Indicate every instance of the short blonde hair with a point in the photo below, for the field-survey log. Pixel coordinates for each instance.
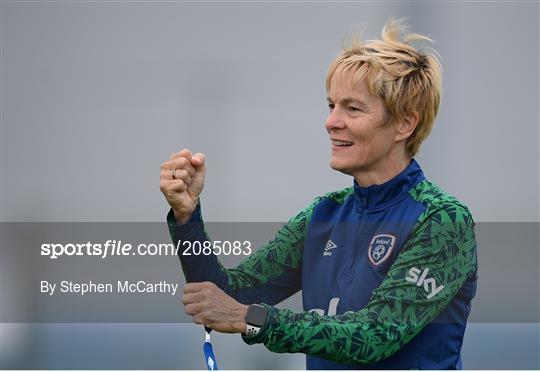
(405, 78)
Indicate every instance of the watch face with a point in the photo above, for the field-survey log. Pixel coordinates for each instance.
(256, 315)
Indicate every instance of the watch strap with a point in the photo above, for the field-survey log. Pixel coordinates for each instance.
(252, 330)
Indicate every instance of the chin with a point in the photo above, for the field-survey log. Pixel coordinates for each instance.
(341, 166)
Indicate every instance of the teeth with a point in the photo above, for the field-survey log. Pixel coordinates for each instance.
(342, 143)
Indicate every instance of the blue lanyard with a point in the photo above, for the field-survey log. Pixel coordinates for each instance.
(209, 357)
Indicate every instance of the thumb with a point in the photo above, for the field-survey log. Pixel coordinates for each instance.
(199, 161)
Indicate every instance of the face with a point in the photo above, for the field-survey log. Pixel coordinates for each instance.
(361, 141)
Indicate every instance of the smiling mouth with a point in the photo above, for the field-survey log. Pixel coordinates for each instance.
(341, 143)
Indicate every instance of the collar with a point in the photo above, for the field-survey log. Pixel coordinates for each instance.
(379, 196)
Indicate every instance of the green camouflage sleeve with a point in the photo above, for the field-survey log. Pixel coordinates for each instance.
(271, 274)
(441, 251)
(275, 259)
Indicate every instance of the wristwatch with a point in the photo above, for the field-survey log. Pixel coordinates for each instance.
(255, 319)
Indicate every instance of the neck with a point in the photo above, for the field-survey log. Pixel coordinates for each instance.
(382, 173)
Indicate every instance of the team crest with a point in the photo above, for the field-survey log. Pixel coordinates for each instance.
(380, 248)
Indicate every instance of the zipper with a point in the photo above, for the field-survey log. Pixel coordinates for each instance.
(359, 232)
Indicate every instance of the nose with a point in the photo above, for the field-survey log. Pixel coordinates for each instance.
(334, 121)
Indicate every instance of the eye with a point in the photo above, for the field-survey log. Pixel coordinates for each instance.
(354, 109)
(330, 106)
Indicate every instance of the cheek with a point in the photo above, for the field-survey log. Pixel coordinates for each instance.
(384, 139)
(370, 145)
(363, 142)
(363, 150)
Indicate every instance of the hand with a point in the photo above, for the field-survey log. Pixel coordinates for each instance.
(182, 193)
(209, 305)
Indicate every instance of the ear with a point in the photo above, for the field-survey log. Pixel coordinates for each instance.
(406, 126)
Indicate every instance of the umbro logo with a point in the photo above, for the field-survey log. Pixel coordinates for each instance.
(210, 363)
(328, 248)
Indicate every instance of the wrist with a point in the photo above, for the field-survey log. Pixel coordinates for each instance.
(240, 325)
(182, 217)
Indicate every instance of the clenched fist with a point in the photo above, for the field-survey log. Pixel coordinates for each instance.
(182, 181)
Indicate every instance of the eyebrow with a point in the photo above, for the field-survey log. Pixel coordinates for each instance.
(347, 100)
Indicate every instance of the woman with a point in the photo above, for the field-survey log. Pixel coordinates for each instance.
(387, 267)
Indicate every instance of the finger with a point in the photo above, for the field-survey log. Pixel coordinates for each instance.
(182, 153)
(182, 174)
(193, 309)
(195, 287)
(178, 185)
(182, 163)
(165, 174)
(179, 174)
(198, 319)
(192, 298)
(173, 185)
(206, 318)
(198, 160)
(178, 163)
